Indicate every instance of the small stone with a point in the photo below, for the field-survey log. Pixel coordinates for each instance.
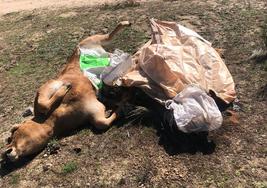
(105, 30)
(50, 30)
(77, 150)
(78, 184)
(45, 168)
(92, 32)
(27, 112)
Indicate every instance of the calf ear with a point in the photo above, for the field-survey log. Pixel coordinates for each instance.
(14, 128)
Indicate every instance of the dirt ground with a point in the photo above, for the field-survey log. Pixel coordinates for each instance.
(8, 6)
(34, 45)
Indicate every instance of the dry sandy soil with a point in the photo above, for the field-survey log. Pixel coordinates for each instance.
(34, 45)
(8, 6)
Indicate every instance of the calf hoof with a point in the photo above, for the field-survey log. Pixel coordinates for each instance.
(68, 86)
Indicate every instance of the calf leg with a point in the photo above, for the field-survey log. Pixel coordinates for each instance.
(97, 114)
(100, 39)
(50, 94)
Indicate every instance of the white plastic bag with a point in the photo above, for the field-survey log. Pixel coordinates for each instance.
(120, 62)
(194, 111)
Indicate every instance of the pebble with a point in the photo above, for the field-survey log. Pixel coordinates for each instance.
(92, 32)
(47, 166)
(27, 112)
(105, 30)
(77, 150)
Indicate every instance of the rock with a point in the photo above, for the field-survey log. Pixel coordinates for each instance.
(53, 147)
(92, 32)
(45, 168)
(27, 112)
(78, 184)
(105, 30)
(77, 150)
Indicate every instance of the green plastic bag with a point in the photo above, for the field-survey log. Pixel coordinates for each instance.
(92, 63)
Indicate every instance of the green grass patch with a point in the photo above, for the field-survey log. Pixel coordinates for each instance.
(260, 184)
(2, 144)
(128, 40)
(21, 69)
(85, 132)
(69, 167)
(15, 178)
(264, 33)
(53, 141)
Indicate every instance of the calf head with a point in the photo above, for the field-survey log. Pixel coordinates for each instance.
(26, 138)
